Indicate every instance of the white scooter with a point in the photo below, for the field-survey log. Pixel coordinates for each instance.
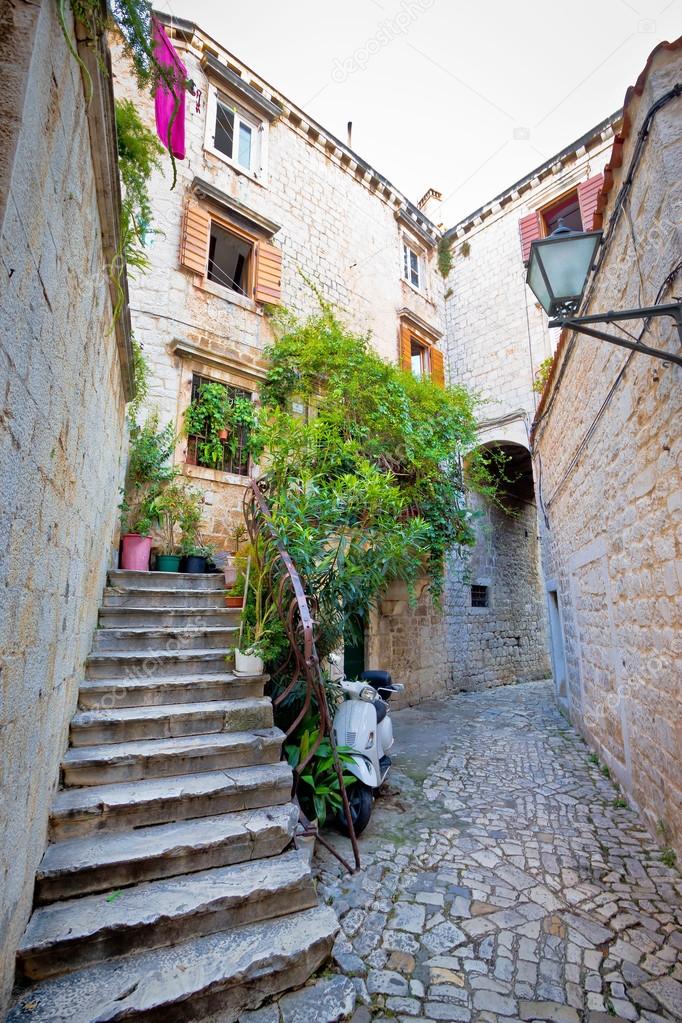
(363, 724)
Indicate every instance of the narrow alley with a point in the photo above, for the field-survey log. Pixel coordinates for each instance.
(504, 877)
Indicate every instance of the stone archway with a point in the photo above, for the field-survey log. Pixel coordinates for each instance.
(495, 600)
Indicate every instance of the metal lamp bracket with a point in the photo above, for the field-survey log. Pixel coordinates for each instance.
(580, 324)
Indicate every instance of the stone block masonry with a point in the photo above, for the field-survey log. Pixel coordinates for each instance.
(608, 440)
(62, 433)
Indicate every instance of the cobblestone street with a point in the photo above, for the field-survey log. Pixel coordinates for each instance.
(505, 878)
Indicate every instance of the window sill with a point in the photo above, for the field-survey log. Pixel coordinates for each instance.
(258, 179)
(230, 296)
(417, 291)
(200, 472)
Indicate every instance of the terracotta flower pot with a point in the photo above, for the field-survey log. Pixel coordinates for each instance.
(222, 434)
(135, 551)
(231, 601)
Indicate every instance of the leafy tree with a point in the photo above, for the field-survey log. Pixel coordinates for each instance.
(368, 485)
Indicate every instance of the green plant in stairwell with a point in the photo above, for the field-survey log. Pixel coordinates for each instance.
(593, 758)
(149, 470)
(620, 803)
(178, 509)
(542, 374)
(140, 383)
(464, 249)
(605, 771)
(318, 791)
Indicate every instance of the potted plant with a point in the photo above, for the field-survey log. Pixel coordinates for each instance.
(234, 597)
(177, 508)
(218, 417)
(260, 632)
(147, 473)
(195, 556)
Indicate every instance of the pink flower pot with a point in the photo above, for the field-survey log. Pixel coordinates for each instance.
(135, 551)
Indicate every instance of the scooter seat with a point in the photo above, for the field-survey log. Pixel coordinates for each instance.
(377, 678)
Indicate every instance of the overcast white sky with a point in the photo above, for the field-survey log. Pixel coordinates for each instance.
(462, 98)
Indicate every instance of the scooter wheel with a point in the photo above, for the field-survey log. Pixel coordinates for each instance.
(361, 800)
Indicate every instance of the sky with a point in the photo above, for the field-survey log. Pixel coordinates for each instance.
(463, 98)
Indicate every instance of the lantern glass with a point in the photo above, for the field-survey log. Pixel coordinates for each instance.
(559, 267)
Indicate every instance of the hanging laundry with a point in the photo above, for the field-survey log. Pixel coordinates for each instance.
(169, 101)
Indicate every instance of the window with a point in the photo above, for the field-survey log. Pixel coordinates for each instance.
(234, 134)
(411, 266)
(479, 596)
(420, 361)
(235, 456)
(567, 209)
(229, 259)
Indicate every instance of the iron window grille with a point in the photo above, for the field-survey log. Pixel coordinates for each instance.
(479, 596)
(237, 463)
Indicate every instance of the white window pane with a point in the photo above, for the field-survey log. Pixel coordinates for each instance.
(414, 268)
(245, 141)
(224, 129)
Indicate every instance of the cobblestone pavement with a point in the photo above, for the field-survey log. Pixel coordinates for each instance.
(504, 878)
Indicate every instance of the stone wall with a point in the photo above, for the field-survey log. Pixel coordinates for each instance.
(61, 429)
(608, 442)
(496, 339)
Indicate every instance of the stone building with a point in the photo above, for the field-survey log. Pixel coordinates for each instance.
(240, 231)
(606, 450)
(65, 376)
(496, 341)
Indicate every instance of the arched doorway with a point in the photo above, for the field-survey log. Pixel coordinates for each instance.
(496, 603)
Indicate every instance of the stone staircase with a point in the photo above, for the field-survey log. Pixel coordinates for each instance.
(170, 889)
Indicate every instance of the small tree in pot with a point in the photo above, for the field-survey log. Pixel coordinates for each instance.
(149, 471)
(178, 510)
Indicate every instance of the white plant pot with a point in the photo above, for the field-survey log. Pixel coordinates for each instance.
(248, 664)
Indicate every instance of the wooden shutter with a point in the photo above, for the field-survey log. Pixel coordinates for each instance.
(530, 231)
(268, 274)
(437, 367)
(588, 194)
(196, 223)
(405, 348)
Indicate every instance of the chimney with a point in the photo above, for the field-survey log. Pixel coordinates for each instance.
(429, 204)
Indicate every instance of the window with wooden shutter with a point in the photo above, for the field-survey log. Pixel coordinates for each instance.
(405, 348)
(268, 274)
(588, 194)
(194, 239)
(437, 367)
(530, 230)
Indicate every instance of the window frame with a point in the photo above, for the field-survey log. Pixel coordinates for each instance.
(410, 250)
(424, 356)
(256, 171)
(192, 439)
(486, 595)
(557, 203)
(222, 289)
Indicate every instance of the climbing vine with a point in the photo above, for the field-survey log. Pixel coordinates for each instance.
(138, 154)
(444, 257)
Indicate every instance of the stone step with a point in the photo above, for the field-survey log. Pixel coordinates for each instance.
(108, 693)
(212, 637)
(167, 617)
(68, 935)
(225, 973)
(101, 861)
(162, 758)
(150, 597)
(123, 579)
(125, 724)
(155, 663)
(126, 805)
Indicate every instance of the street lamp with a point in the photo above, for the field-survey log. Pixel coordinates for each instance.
(558, 269)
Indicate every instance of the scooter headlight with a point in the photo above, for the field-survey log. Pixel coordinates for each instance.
(368, 694)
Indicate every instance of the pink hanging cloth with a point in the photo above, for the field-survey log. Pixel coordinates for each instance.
(169, 101)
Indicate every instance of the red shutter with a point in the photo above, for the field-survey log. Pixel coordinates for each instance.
(530, 231)
(588, 193)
